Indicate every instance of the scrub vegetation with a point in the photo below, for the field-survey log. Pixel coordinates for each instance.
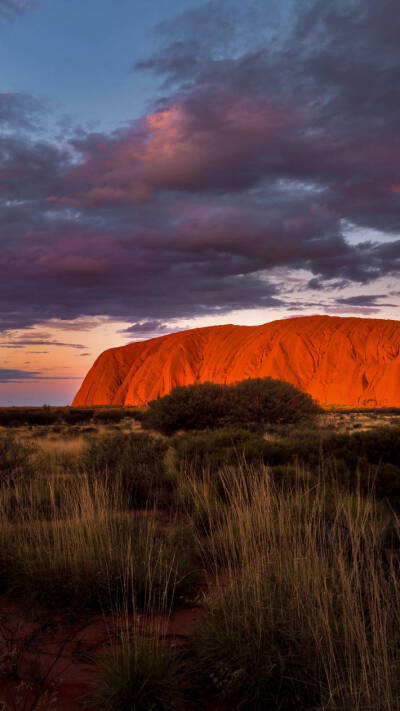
(252, 403)
(229, 567)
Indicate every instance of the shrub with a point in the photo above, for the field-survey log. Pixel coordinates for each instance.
(109, 415)
(370, 460)
(19, 416)
(139, 676)
(373, 455)
(377, 446)
(76, 416)
(12, 417)
(262, 401)
(191, 407)
(199, 451)
(43, 416)
(135, 460)
(135, 413)
(251, 404)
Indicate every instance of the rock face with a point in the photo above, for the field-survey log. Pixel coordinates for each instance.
(341, 361)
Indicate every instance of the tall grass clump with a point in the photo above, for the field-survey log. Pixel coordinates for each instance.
(16, 459)
(95, 557)
(141, 674)
(201, 451)
(306, 611)
(136, 461)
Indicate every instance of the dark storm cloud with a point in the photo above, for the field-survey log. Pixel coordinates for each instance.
(277, 123)
(333, 68)
(28, 170)
(361, 300)
(342, 56)
(203, 259)
(367, 300)
(19, 110)
(145, 328)
(13, 375)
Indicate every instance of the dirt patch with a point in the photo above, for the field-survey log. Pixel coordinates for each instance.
(47, 660)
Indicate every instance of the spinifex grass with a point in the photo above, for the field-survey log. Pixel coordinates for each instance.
(307, 608)
(143, 674)
(140, 670)
(94, 556)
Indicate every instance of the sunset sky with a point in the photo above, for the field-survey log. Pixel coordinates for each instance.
(167, 164)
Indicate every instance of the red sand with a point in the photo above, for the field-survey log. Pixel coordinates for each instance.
(58, 657)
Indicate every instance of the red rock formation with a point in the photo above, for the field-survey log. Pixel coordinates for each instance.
(343, 361)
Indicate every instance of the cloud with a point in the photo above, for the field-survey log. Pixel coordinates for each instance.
(365, 303)
(10, 8)
(21, 111)
(332, 69)
(228, 147)
(39, 342)
(204, 256)
(14, 375)
(147, 328)
(268, 136)
(22, 342)
(362, 300)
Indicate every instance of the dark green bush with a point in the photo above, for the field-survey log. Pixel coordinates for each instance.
(43, 416)
(46, 415)
(262, 401)
(109, 415)
(191, 407)
(76, 416)
(373, 455)
(21, 416)
(135, 413)
(369, 459)
(12, 417)
(136, 461)
(251, 404)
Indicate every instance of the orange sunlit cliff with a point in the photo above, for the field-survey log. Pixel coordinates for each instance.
(343, 361)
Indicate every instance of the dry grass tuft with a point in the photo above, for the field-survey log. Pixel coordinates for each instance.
(307, 608)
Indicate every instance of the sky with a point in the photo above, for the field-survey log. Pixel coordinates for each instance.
(168, 165)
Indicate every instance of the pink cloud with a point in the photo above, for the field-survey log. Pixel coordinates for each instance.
(188, 146)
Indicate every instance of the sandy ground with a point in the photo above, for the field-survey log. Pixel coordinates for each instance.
(60, 655)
